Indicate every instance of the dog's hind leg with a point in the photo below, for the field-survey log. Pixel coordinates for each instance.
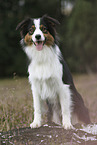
(49, 113)
(54, 111)
(56, 118)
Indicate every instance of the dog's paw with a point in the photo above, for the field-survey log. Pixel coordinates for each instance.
(67, 126)
(35, 124)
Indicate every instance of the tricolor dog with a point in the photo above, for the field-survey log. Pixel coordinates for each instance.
(49, 76)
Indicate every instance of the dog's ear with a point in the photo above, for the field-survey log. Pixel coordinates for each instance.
(50, 20)
(24, 26)
(51, 24)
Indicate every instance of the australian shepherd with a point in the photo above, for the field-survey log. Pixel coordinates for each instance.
(49, 76)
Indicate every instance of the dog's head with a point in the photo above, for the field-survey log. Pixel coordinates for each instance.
(38, 32)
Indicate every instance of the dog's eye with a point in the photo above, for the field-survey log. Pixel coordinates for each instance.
(31, 30)
(43, 29)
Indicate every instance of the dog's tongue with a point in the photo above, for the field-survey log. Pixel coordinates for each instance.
(39, 45)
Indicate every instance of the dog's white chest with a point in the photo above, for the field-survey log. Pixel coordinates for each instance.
(40, 71)
(45, 65)
(46, 78)
(45, 72)
(47, 88)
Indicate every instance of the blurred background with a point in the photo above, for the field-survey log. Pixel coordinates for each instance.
(77, 32)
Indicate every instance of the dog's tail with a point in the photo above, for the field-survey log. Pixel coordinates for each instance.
(79, 108)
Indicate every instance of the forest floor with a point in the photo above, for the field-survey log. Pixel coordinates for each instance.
(16, 113)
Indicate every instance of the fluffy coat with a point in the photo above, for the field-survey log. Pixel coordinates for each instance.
(49, 76)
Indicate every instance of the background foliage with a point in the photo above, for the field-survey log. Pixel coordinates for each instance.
(77, 32)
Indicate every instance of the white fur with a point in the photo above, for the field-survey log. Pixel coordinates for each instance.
(37, 31)
(45, 76)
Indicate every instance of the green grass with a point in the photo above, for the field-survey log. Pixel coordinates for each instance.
(15, 104)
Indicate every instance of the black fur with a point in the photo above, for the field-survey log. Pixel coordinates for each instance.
(78, 103)
(50, 24)
(24, 26)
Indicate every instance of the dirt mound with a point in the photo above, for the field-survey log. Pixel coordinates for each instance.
(50, 135)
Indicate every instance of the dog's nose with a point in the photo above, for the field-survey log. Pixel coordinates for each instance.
(38, 36)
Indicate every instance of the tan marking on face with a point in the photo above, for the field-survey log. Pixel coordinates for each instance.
(47, 35)
(28, 39)
(49, 39)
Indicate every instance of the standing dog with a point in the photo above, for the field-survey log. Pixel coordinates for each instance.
(49, 76)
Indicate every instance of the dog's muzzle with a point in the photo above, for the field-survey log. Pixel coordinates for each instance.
(39, 43)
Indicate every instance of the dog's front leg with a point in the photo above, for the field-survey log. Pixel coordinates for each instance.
(37, 110)
(65, 102)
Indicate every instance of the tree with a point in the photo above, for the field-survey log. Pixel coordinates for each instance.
(80, 37)
(12, 58)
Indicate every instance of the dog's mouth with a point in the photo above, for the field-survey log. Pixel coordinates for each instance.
(39, 45)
